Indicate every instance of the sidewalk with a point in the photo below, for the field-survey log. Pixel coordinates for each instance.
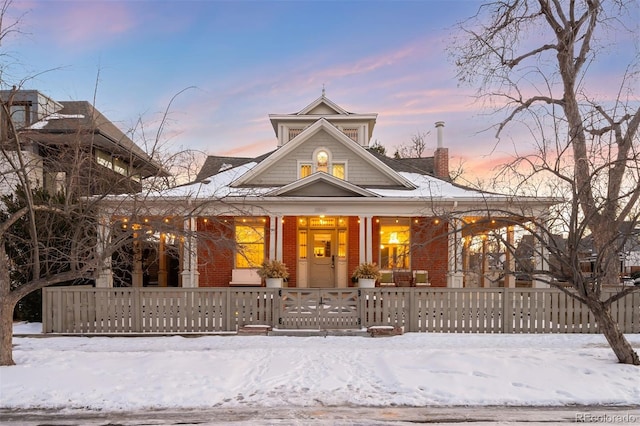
(320, 415)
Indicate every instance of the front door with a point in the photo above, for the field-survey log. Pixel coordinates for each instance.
(323, 259)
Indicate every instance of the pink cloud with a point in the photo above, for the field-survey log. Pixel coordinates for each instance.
(251, 149)
(82, 24)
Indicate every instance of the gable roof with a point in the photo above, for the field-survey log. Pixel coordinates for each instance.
(321, 184)
(324, 107)
(323, 124)
(315, 107)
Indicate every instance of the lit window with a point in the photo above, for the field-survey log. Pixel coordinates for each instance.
(305, 170)
(342, 243)
(322, 161)
(338, 170)
(394, 244)
(302, 244)
(249, 243)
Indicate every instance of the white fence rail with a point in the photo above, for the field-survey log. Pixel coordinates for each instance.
(86, 310)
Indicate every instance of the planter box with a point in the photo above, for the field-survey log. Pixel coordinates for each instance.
(274, 282)
(366, 282)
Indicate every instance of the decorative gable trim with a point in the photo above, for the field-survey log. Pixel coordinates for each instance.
(322, 100)
(323, 124)
(322, 178)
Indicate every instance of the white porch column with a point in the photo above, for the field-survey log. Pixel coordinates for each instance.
(369, 243)
(104, 276)
(190, 275)
(279, 220)
(272, 236)
(361, 235)
(455, 275)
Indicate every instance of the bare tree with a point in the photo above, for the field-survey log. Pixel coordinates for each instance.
(534, 59)
(415, 148)
(52, 227)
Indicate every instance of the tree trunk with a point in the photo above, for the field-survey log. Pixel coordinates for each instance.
(7, 306)
(609, 328)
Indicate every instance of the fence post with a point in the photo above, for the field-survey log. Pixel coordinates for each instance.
(412, 312)
(228, 310)
(136, 309)
(46, 310)
(507, 311)
(363, 308)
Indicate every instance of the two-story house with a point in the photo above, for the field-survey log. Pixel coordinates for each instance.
(68, 145)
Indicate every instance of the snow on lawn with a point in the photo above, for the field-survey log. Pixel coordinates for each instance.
(127, 373)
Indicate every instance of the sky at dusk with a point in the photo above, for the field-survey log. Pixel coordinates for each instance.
(231, 63)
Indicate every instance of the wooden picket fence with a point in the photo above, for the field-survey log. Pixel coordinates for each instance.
(88, 310)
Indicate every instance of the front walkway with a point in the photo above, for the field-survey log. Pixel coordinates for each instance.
(321, 415)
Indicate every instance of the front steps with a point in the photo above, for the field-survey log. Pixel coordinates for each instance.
(373, 331)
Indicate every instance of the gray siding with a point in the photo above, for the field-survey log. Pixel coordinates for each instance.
(285, 170)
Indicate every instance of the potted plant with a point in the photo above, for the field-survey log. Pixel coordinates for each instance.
(366, 274)
(274, 272)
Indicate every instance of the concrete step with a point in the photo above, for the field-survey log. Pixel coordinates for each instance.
(322, 333)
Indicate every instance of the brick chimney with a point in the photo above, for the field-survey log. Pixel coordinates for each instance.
(441, 156)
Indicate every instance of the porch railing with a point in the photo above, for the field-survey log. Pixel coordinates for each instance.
(214, 310)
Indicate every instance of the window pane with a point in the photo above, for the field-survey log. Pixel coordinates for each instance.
(338, 170)
(302, 244)
(394, 244)
(249, 244)
(342, 243)
(305, 170)
(322, 161)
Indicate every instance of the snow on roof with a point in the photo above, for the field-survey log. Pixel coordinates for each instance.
(39, 125)
(217, 186)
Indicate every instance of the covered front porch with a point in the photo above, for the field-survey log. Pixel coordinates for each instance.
(320, 250)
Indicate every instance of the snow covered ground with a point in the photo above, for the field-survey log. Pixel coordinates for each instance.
(134, 373)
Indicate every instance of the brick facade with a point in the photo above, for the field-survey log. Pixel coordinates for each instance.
(290, 248)
(215, 251)
(429, 251)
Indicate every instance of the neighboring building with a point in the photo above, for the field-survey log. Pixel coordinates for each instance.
(628, 245)
(69, 144)
(321, 202)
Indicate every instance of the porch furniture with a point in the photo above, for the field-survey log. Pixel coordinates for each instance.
(421, 278)
(245, 277)
(386, 279)
(403, 278)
